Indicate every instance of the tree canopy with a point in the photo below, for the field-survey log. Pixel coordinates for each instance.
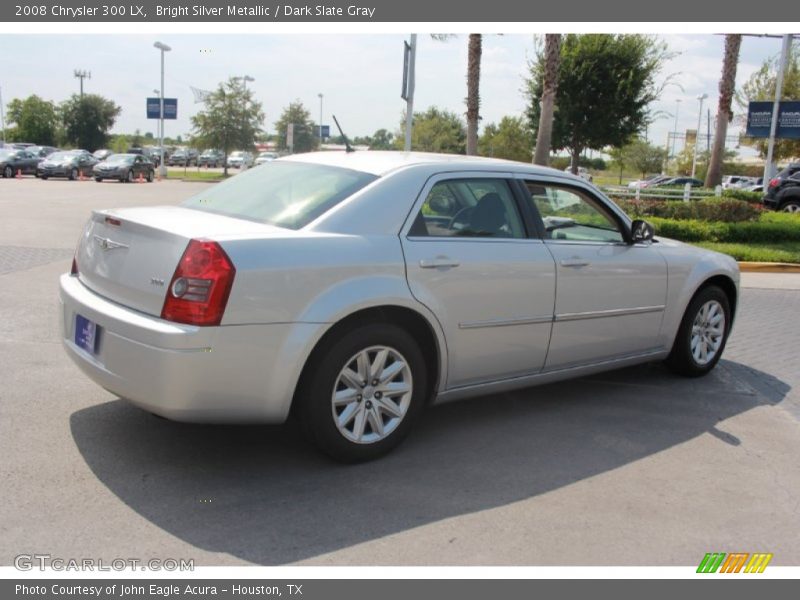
(605, 86)
(305, 138)
(230, 118)
(435, 130)
(510, 139)
(35, 120)
(88, 119)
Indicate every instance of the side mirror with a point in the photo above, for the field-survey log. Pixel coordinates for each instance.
(641, 231)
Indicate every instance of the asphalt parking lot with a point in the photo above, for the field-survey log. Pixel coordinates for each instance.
(633, 467)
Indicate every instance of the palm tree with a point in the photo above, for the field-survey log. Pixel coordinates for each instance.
(473, 90)
(727, 86)
(552, 53)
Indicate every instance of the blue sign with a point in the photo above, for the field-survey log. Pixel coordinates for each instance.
(759, 120)
(326, 131)
(170, 108)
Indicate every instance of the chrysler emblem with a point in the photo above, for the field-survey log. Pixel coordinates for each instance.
(108, 243)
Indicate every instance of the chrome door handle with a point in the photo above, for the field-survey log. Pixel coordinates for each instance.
(439, 261)
(574, 262)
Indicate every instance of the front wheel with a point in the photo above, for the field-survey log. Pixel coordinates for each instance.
(98, 179)
(73, 174)
(129, 178)
(150, 177)
(702, 334)
(361, 394)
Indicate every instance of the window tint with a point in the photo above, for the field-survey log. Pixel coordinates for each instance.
(482, 208)
(571, 216)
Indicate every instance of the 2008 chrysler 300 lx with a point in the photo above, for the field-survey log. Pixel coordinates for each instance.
(354, 288)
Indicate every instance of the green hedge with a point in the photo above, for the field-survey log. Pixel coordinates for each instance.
(766, 230)
(715, 209)
(750, 197)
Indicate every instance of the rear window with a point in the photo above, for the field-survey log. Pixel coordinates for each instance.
(285, 194)
(788, 171)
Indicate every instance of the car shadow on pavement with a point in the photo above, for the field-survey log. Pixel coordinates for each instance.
(261, 494)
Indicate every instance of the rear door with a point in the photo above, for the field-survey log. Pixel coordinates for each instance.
(471, 261)
(610, 294)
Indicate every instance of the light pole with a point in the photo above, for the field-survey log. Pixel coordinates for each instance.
(3, 118)
(320, 119)
(701, 97)
(80, 74)
(157, 93)
(162, 169)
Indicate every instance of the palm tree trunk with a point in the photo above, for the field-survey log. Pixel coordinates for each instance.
(473, 91)
(552, 53)
(727, 85)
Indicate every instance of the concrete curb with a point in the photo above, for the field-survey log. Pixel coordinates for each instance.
(768, 267)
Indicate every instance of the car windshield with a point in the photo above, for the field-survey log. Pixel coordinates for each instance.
(286, 194)
(236, 154)
(60, 156)
(7, 153)
(120, 159)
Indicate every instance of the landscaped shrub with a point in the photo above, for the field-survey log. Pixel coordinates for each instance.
(716, 209)
(691, 230)
(750, 197)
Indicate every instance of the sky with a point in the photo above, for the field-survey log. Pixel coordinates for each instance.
(359, 75)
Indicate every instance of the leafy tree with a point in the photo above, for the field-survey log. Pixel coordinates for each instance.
(510, 139)
(761, 86)
(435, 130)
(305, 138)
(381, 140)
(605, 84)
(544, 132)
(727, 84)
(230, 119)
(642, 157)
(36, 120)
(88, 119)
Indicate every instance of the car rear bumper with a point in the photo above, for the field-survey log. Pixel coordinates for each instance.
(226, 374)
(770, 202)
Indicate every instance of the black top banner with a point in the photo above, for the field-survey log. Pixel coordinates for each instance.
(442, 11)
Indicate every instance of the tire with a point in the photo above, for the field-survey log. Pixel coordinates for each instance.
(150, 177)
(791, 206)
(324, 377)
(129, 177)
(98, 179)
(698, 332)
(8, 172)
(73, 174)
(44, 177)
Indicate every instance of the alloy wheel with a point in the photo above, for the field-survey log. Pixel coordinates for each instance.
(708, 332)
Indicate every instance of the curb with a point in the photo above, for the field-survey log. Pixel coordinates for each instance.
(768, 267)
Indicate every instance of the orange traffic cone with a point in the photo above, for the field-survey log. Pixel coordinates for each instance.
(19, 173)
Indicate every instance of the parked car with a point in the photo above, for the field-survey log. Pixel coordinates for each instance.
(154, 154)
(736, 182)
(22, 145)
(239, 159)
(783, 191)
(184, 157)
(353, 288)
(124, 167)
(757, 185)
(643, 183)
(211, 158)
(42, 151)
(13, 161)
(264, 157)
(680, 181)
(583, 173)
(71, 164)
(102, 154)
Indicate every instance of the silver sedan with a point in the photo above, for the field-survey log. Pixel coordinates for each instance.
(352, 289)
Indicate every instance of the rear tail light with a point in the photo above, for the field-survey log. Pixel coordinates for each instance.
(774, 182)
(200, 287)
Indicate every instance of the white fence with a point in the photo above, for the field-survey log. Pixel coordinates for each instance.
(686, 194)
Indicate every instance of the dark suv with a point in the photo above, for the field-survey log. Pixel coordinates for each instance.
(783, 191)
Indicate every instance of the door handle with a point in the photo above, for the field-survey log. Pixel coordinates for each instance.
(439, 261)
(574, 262)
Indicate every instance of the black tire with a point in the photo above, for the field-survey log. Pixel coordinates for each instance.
(681, 360)
(44, 177)
(791, 206)
(129, 177)
(98, 179)
(314, 394)
(150, 176)
(73, 174)
(8, 172)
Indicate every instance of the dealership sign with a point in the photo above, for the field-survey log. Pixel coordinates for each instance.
(759, 119)
(170, 108)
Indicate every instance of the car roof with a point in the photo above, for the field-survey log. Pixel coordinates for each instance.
(378, 162)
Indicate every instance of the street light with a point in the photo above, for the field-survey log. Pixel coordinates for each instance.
(162, 169)
(701, 97)
(320, 119)
(158, 93)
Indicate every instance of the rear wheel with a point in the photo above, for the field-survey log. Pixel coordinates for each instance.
(703, 333)
(8, 172)
(73, 174)
(792, 206)
(98, 179)
(129, 178)
(150, 176)
(362, 392)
